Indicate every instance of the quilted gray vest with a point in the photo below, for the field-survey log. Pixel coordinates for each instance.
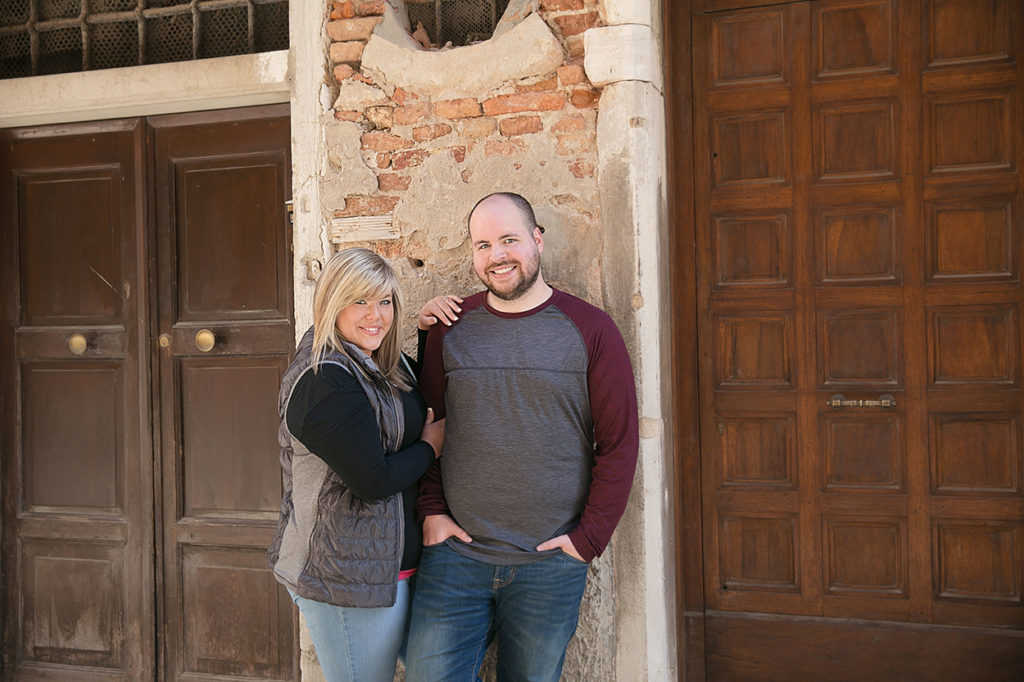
(331, 546)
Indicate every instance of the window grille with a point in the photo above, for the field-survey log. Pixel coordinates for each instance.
(39, 37)
(459, 22)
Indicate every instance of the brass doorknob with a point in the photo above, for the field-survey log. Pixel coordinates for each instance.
(205, 340)
(77, 344)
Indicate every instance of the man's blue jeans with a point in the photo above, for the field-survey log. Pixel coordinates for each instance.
(462, 604)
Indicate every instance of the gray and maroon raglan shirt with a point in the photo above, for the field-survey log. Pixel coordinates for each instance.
(541, 436)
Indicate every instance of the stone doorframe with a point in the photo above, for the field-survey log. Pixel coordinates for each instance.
(623, 58)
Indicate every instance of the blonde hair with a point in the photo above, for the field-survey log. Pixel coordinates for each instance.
(349, 276)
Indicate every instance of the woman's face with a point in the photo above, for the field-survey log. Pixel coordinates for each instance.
(366, 322)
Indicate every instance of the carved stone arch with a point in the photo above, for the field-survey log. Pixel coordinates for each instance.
(396, 60)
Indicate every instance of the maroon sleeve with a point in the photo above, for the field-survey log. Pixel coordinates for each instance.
(432, 384)
(616, 427)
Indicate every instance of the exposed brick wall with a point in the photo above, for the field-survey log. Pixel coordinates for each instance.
(553, 112)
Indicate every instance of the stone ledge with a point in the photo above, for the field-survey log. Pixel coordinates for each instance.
(362, 229)
(224, 82)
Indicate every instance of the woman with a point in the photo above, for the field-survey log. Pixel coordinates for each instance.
(355, 437)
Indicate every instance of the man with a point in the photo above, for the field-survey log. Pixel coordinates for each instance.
(540, 449)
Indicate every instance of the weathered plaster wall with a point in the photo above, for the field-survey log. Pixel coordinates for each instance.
(408, 140)
(419, 136)
(410, 150)
(623, 57)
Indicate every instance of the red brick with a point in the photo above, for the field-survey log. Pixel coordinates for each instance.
(560, 5)
(391, 249)
(575, 45)
(402, 96)
(348, 115)
(572, 74)
(431, 132)
(584, 99)
(569, 124)
(384, 142)
(350, 51)
(503, 147)
(343, 71)
(383, 159)
(408, 159)
(581, 168)
(352, 29)
(362, 78)
(546, 85)
(411, 113)
(457, 108)
(393, 182)
(526, 101)
(520, 125)
(343, 10)
(366, 8)
(360, 204)
(458, 153)
(479, 127)
(574, 24)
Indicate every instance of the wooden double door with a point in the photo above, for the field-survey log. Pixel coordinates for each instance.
(146, 324)
(857, 211)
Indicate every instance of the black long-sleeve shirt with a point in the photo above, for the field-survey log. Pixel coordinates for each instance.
(330, 414)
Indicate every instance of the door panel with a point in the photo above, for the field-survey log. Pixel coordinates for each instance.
(224, 264)
(217, 265)
(858, 227)
(78, 521)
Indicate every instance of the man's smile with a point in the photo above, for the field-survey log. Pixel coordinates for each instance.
(503, 269)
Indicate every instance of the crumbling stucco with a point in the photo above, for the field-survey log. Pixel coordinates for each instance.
(345, 159)
(437, 136)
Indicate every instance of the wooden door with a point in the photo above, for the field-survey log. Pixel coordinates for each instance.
(858, 223)
(223, 269)
(140, 474)
(76, 447)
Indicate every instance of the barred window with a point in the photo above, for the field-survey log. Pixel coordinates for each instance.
(39, 37)
(459, 22)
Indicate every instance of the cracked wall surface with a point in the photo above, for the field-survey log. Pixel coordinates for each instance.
(412, 137)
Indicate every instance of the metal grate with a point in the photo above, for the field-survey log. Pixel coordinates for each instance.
(458, 22)
(40, 37)
(60, 51)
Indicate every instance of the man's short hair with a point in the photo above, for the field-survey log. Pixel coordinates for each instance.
(521, 204)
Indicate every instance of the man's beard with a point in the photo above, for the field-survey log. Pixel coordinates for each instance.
(526, 281)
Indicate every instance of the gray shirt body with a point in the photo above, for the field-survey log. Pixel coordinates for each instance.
(518, 447)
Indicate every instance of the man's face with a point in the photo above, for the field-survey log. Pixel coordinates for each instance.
(506, 250)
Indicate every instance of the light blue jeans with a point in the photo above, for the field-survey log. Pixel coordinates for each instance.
(355, 644)
(462, 604)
